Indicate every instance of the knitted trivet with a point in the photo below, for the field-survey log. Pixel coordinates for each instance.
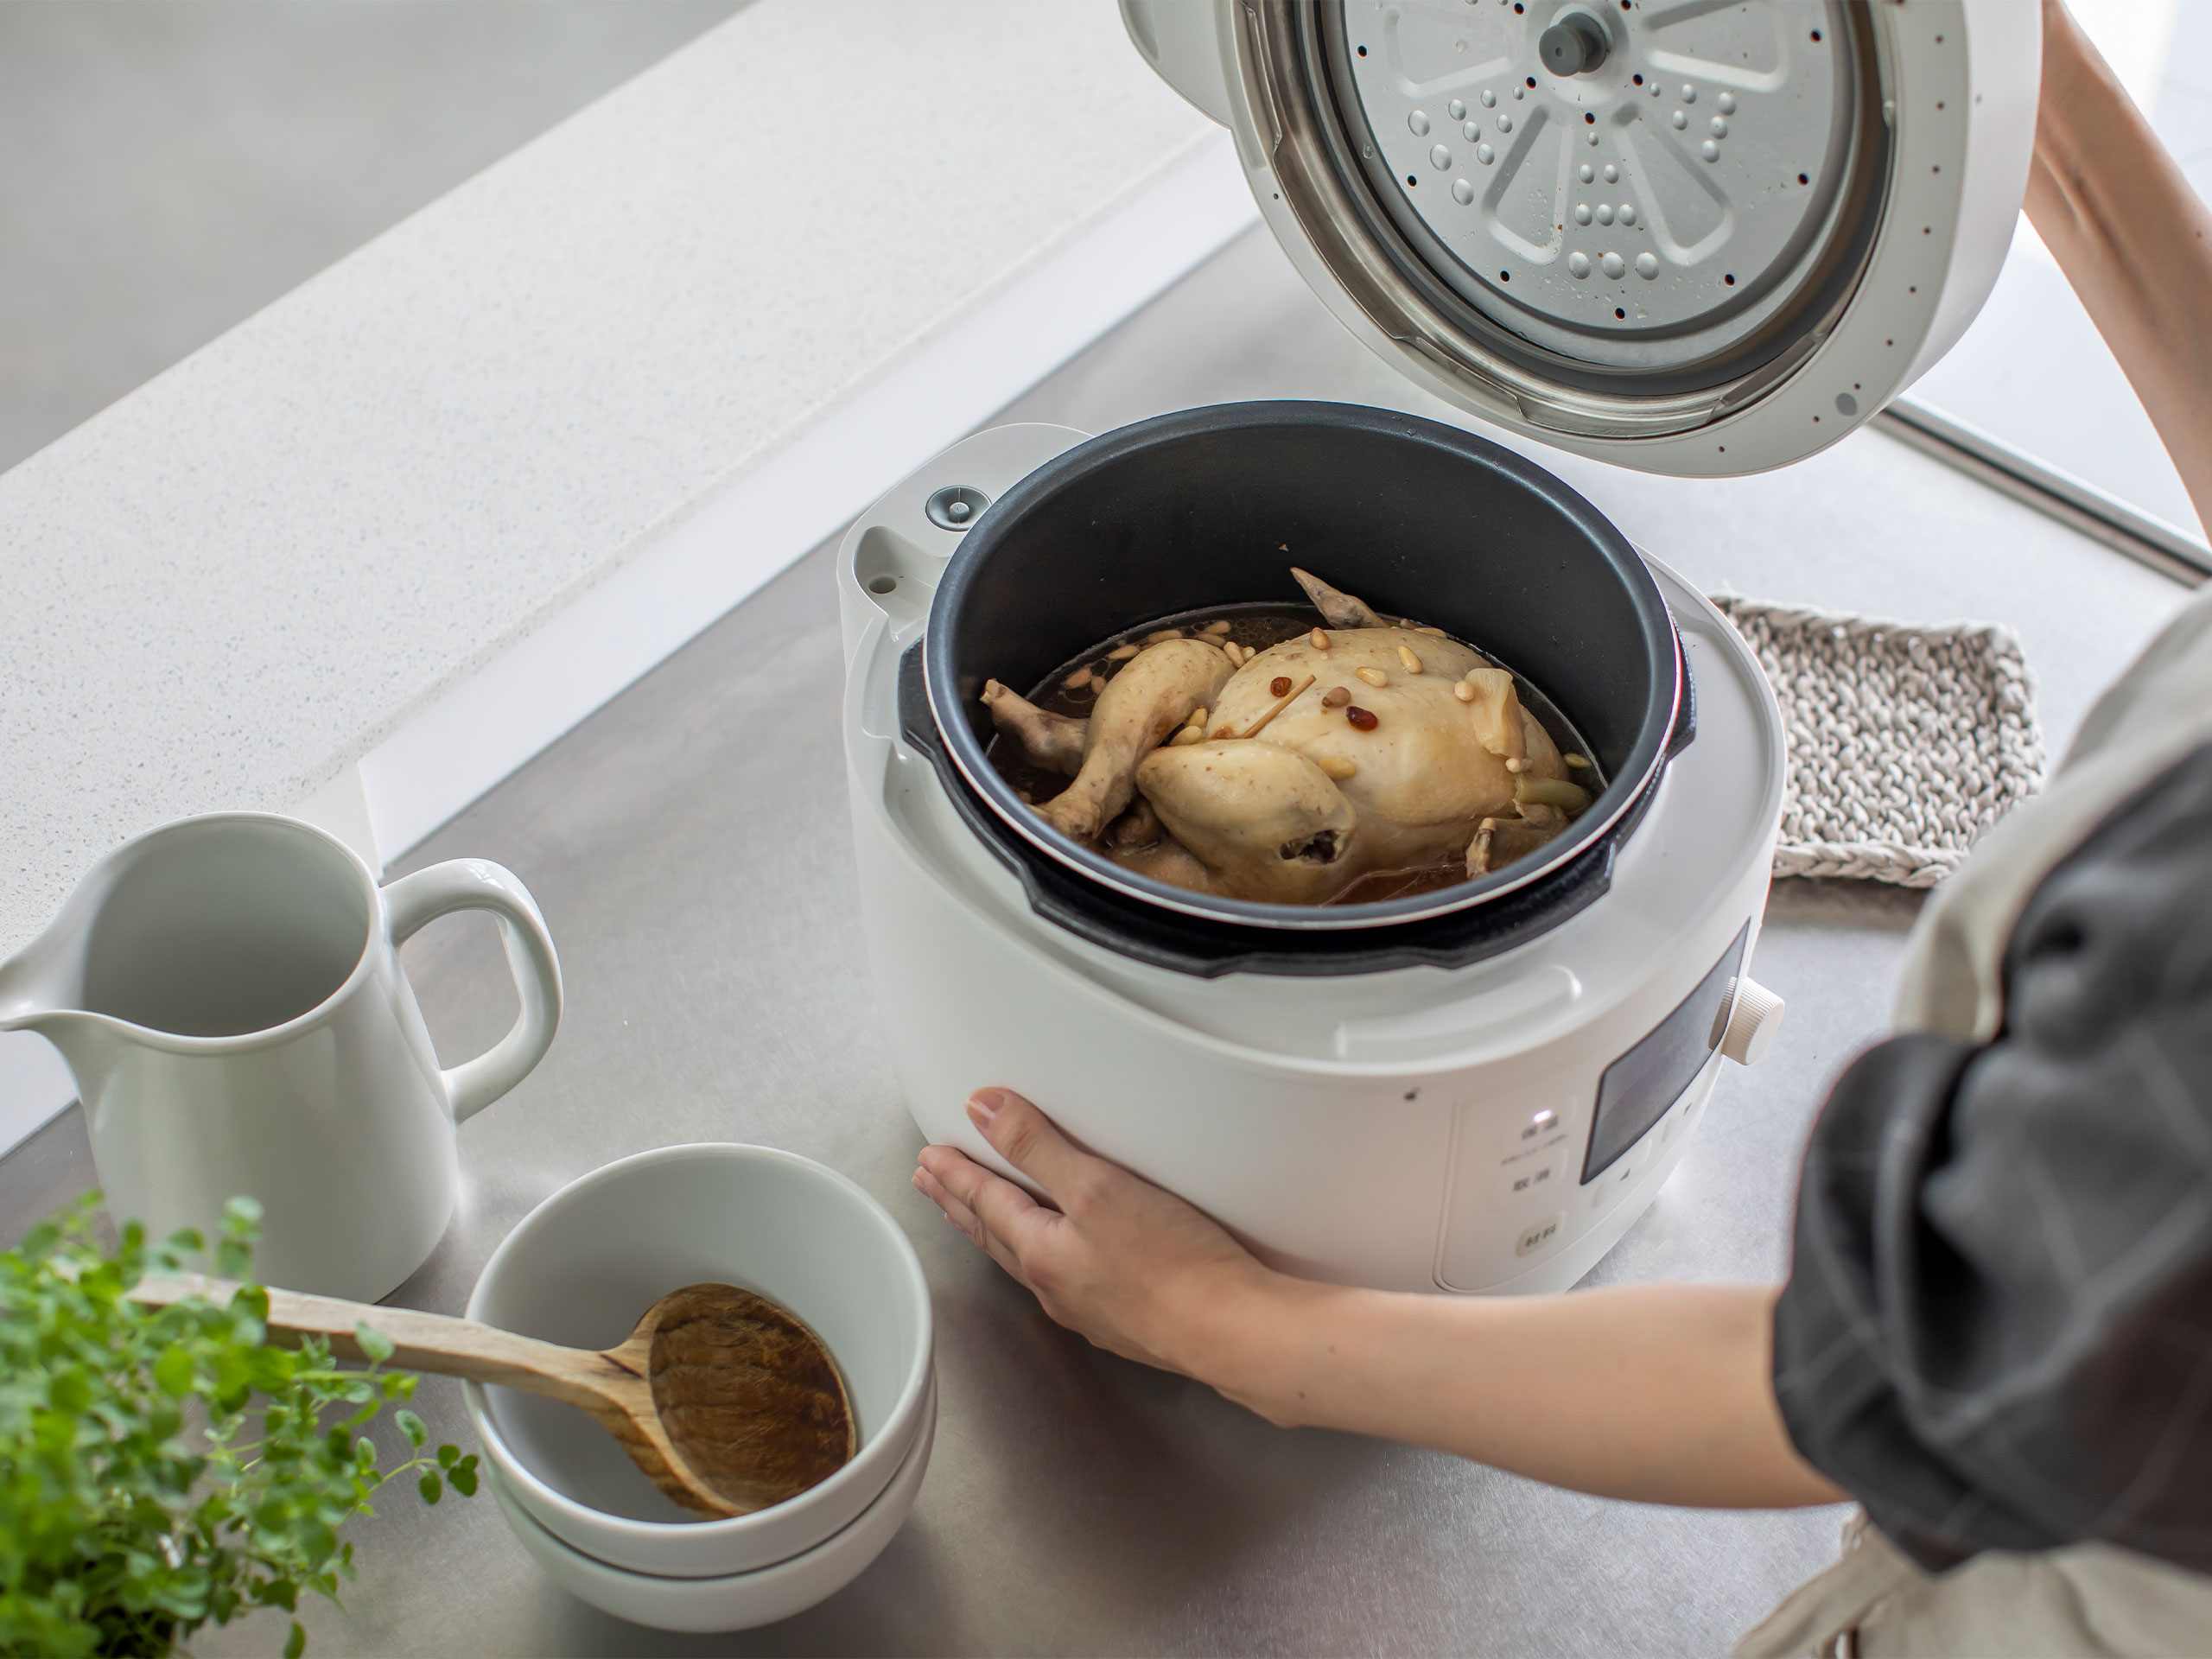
(1905, 742)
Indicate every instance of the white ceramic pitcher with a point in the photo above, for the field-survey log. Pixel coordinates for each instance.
(227, 991)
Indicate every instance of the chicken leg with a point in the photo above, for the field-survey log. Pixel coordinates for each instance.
(1157, 691)
(1052, 741)
(1267, 823)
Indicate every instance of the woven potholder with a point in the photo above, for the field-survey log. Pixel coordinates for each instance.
(1905, 742)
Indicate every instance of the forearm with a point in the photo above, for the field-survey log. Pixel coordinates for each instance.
(1658, 1393)
(2134, 239)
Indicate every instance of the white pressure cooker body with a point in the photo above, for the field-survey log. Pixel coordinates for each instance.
(1476, 1095)
(1683, 237)
(1688, 237)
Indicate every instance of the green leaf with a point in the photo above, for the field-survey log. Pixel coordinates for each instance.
(411, 1426)
(374, 1343)
(463, 1478)
(449, 1456)
(296, 1643)
(271, 1369)
(70, 1394)
(174, 1373)
(242, 1216)
(431, 1488)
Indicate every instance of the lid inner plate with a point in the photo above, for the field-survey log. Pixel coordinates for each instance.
(1649, 214)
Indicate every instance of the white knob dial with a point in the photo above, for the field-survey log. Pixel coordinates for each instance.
(1754, 1016)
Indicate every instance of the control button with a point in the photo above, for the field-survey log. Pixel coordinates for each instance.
(1540, 1125)
(1754, 1016)
(1536, 1236)
(1532, 1177)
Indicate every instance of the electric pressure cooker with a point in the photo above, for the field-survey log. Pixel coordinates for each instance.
(1686, 239)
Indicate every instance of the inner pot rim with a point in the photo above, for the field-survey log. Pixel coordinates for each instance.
(1585, 835)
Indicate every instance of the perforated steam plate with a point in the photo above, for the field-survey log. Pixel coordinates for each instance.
(1640, 188)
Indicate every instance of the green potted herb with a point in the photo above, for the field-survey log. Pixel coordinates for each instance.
(162, 1468)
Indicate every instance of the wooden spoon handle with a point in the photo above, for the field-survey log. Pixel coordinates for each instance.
(423, 1342)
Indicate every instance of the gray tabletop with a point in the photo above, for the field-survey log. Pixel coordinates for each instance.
(689, 846)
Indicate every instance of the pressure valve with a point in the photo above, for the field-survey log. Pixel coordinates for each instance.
(1575, 44)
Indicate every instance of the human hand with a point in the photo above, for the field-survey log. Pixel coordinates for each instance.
(1661, 1393)
(1133, 1269)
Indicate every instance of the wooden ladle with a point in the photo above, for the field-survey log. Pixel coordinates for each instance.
(725, 1400)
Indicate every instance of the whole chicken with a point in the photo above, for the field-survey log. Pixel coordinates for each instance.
(1358, 748)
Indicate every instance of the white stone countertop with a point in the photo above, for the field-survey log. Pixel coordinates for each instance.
(237, 581)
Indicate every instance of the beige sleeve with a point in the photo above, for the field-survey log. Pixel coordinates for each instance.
(2152, 716)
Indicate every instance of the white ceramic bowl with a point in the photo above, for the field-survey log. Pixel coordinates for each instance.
(583, 1267)
(741, 1601)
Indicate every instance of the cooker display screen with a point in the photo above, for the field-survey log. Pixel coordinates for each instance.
(1638, 1088)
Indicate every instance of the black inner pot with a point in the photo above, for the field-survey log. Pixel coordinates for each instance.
(1209, 506)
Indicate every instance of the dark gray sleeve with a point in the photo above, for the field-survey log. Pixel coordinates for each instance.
(1997, 1333)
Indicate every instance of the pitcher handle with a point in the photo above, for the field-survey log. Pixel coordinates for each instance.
(478, 884)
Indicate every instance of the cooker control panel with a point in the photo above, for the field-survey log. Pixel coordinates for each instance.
(1637, 1089)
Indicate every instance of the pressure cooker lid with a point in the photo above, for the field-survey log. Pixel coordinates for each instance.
(1642, 202)
(1689, 236)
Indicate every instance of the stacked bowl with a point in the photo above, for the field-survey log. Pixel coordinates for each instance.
(586, 1264)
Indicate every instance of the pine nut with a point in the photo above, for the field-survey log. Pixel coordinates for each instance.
(1373, 675)
(1516, 767)
(1120, 654)
(1077, 680)
(1188, 735)
(1229, 649)
(1337, 767)
(1198, 718)
(1319, 638)
(1162, 635)
(1420, 628)
(1464, 690)
(1335, 697)
(1221, 626)
(1407, 656)
(1575, 760)
(1551, 792)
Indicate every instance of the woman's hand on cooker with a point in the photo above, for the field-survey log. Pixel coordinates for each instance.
(1133, 1269)
(1660, 1393)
